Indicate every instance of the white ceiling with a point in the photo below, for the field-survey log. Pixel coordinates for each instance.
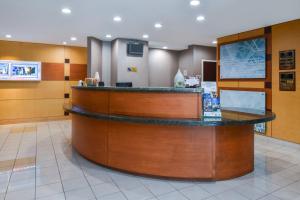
(42, 21)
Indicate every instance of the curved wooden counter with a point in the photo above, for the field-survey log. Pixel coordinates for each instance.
(159, 132)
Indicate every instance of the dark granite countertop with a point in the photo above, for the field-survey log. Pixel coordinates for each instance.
(143, 89)
(228, 118)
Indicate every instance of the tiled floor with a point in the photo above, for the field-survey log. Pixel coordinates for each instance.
(37, 162)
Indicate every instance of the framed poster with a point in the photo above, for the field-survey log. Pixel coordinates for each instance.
(260, 128)
(245, 101)
(4, 70)
(20, 70)
(243, 59)
(287, 81)
(287, 60)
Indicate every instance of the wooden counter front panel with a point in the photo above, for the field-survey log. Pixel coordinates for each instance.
(167, 151)
(90, 100)
(89, 137)
(234, 151)
(149, 104)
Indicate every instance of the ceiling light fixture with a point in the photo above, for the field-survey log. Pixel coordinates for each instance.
(165, 47)
(215, 42)
(145, 36)
(64, 43)
(108, 36)
(73, 38)
(194, 2)
(8, 36)
(117, 19)
(66, 11)
(157, 25)
(200, 18)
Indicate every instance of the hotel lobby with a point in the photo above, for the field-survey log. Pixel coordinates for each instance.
(149, 100)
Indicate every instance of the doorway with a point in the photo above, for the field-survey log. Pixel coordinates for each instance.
(209, 70)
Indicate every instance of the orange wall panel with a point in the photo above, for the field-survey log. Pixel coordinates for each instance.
(27, 101)
(78, 72)
(53, 71)
(286, 103)
(251, 34)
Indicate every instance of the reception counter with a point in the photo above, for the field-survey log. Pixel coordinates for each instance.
(160, 132)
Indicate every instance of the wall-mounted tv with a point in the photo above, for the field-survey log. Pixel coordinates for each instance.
(243, 60)
(11, 70)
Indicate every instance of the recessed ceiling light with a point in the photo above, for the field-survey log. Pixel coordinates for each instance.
(108, 36)
(8, 36)
(215, 42)
(66, 10)
(64, 43)
(165, 47)
(117, 19)
(194, 2)
(157, 25)
(200, 18)
(73, 38)
(145, 36)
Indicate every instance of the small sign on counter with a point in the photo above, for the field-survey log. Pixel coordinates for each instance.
(211, 105)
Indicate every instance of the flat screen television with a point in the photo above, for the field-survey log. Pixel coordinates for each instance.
(243, 60)
(20, 70)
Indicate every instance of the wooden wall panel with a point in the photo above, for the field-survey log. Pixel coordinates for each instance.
(253, 84)
(31, 52)
(41, 52)
(251, 34)
(30, 108)
(9, 50)
(77, 55)
(31, 90)
(53, 72)
(228, 38)
(285, 36)
(28, 101)
(67, 69)
(285, 105)
(228, 84)
(256, 85)
(78, 72)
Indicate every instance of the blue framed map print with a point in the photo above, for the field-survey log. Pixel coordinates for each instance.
(20, 70)
(243, 60)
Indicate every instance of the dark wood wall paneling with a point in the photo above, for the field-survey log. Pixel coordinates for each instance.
(78, 72)
(55, 72)
(268, 80)
(52, 71)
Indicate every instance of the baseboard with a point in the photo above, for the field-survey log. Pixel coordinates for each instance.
(38, 119)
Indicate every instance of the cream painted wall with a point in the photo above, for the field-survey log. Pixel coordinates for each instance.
(191, 59)
(120, 63)
(163, 65)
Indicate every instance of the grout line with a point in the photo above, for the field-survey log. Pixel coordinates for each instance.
(11, 173)
(36, 142)
(50, 133)
(79, 163)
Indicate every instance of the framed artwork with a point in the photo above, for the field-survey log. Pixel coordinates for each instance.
(287, 60)
(287, 81)
(20, 70)
(243, 59)
(4, 70)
